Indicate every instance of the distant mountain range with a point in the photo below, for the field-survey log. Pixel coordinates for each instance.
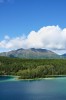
(64, 55)
(32, 53)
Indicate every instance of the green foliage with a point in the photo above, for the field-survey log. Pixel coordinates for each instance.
(32, 68)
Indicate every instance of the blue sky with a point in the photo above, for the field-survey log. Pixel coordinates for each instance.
(18, 18)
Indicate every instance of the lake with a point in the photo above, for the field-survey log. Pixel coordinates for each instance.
(47, 89)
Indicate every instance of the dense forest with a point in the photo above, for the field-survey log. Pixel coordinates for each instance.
(32, 68)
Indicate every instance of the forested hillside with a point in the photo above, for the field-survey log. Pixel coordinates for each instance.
(32, 68)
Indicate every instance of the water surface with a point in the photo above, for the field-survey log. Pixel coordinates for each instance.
(47, 89)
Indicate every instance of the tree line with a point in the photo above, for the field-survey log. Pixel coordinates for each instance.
(32, 68)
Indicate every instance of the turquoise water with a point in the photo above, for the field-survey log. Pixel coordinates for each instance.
(7, 78)
(47, 89)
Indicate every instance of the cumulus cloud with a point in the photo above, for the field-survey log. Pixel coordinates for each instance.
(49, 37)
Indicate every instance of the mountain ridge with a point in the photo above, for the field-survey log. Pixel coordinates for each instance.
(31, 53)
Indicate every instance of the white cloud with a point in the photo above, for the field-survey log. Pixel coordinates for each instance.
(49, 37)
(7, 37)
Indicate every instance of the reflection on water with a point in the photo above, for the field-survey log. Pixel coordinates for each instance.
(52, 89)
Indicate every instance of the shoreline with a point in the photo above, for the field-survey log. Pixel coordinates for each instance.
(11, 78)
(16, 78)
(51, 77)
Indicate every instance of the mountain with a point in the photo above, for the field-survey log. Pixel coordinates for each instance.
(31, 53)
(64, 55)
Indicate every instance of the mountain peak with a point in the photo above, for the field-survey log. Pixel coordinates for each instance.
(38, 49)
(31, 53)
